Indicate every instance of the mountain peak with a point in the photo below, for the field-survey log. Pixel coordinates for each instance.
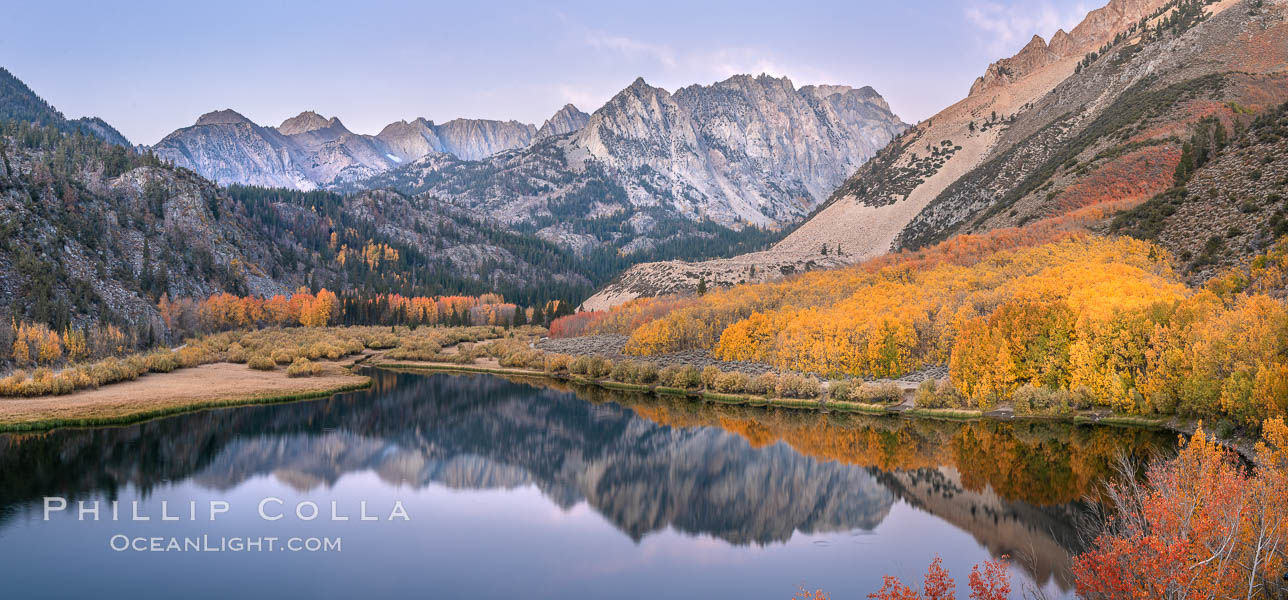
(567, 120)
(784, 80)
(639, 86)
(1061, 43)
(825, 90)
(1097, 28)
(763, 79)
(307, 121)
(226, 116)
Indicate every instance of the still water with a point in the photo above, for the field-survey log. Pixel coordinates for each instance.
(515, 488)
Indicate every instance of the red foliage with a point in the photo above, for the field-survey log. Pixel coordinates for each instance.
(1200, 527)
(1133, 178)
(805, 594)
(992, 583)
(938, 585)
(576, 325)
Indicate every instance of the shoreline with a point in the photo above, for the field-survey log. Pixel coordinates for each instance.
(136, 418)
(813, 404)
(158, 395)
(1242, 446)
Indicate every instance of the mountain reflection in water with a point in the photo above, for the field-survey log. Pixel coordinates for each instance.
(742, 475)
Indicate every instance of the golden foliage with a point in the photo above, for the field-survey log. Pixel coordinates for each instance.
(1105, 318)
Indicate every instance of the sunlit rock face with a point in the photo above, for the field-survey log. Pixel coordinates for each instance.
(747, 149)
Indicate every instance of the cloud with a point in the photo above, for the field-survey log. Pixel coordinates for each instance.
(631, 47)
(1005, 28)
(723, 62)
(583, 97)
(668, 66)
(697, 65)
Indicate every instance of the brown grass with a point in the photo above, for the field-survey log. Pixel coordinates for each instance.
(162, 393)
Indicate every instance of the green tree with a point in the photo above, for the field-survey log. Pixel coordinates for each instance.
(1186, 166)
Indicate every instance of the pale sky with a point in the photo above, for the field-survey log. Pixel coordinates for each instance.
(151, 67)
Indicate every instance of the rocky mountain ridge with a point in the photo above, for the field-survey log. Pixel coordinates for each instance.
(309, 151)
(650, 165)
(747, 149)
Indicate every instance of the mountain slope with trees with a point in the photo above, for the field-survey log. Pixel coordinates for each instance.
(19, 103)
(95, 234)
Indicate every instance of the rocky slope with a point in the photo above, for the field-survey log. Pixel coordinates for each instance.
(99, 243)
(309, 151)
(1060, 135)
(750, 150)
(474, 139)
(1234, 205)
(1109, 137)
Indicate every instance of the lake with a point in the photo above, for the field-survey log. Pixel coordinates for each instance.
(481, 486)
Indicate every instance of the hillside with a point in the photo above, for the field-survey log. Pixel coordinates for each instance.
(1061, 135)
(19, 103)
(1110, 136)
(95, 233)
(1231, 207)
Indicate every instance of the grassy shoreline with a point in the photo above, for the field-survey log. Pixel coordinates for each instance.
(232, 368)
(126, 417)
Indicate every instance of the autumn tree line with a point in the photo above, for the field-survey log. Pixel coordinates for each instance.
(304, 308)
(36, 344)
